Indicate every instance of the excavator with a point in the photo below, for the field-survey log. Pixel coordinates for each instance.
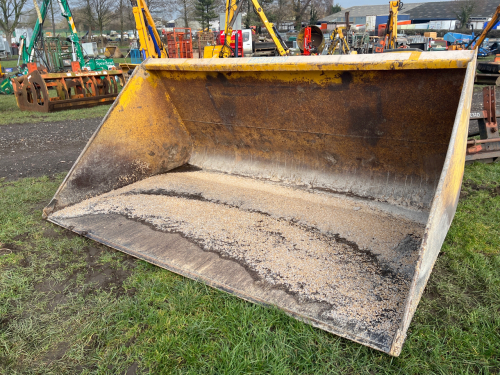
(391, 31)
(150, 42)
(321, 185)
(149, 39)
(91, 81)
(232, 10)
(479, 39)
(338, 41)
(486, 66)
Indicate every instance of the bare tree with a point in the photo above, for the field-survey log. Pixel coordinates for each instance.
(324, 7)
(121, 9)
(53, 18)
(155, 6)
(10, 16)
(466, 8)
(299, 8)
(283, 12)
(84, 16)
(103, 14)
(186, 8)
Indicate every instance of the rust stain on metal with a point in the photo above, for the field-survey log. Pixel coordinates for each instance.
(35, 91)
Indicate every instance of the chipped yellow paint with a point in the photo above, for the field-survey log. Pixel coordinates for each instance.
(73, 28)
(386, 61)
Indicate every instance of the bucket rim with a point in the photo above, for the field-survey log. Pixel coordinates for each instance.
(382, 61)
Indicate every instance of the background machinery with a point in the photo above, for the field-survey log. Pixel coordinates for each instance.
(46, 86)
(149, 39)
(225, 50)
(389, 42)
(338, 41)
(310, 41)
(150, 43)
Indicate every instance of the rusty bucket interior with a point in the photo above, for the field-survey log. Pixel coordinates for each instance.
(323, 185)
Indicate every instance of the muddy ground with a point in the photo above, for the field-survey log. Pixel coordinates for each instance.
(38, 149)
(96, 276)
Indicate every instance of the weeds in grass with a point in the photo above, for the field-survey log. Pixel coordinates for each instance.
(69, 305)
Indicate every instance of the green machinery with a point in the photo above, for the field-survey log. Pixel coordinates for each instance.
(50, 52)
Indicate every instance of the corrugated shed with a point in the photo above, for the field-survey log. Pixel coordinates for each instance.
(367, 10)
(441, 10)
(449, 10)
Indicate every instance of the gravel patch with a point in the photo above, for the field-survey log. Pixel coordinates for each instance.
(348, 253)
(45, 148)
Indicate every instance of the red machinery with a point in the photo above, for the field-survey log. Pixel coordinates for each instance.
(222, 39)
(486, 149)
(307, 41)
(310, 40)
(180, 43)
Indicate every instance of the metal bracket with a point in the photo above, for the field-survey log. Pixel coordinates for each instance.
(488, 147)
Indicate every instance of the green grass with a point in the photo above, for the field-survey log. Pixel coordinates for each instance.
(11, 63)
(11, 114)
(123, 60)
(164, 323)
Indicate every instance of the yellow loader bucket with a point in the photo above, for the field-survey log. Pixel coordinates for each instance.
(323, 185)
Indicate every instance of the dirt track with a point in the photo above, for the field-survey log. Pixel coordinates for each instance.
(38, 149)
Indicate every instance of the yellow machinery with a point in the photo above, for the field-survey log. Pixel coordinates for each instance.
(113, 51)
(480, 39)
(389, 42)
(323, 185)
(392, 24)
(338, 41)
(232, 10)
(149, 39)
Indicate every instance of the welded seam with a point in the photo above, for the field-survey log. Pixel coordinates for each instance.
(315, 133)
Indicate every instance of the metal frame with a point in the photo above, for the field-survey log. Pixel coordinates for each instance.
(488, 147)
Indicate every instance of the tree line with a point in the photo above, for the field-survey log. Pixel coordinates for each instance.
(95, 16)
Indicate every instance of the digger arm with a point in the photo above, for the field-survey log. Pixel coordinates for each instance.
(392, 30)
(66, 13)
(487, 29)
(271, 29)
(149, 38)
(232, 11)
(337, 37)
(26, 51)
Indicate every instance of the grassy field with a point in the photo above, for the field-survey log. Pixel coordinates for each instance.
(11, 114)
(11, 63)
(70, 306)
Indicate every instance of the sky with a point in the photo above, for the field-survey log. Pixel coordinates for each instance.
(351, 3)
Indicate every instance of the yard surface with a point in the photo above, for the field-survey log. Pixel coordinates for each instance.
(11, 114)
(69, 305)
(38, 149)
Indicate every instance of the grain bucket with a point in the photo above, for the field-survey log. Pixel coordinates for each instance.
(323, 185)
